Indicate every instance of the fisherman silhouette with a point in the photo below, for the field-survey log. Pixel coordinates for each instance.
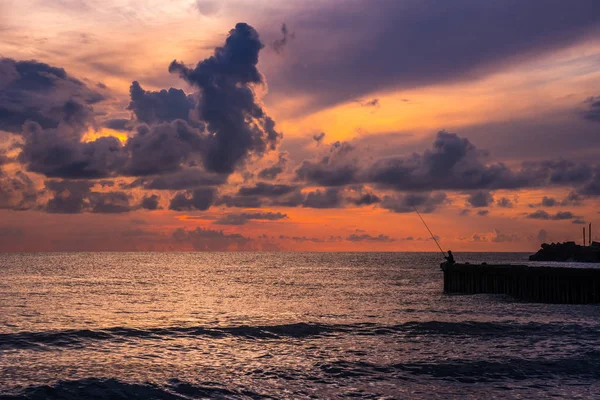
(450, 257)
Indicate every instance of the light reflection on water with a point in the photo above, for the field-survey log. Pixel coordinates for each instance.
(291, 325)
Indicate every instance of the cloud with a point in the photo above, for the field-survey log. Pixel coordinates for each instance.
(328, 198)
(318, 137)
(593, 111)
(573, 198)
(263, 193)
(350, 51)
(369, 103)
(72, 197)
(365, 199)
(211, 240)
(272, 172)
(483, 213)
(162, 148)
(198, 199)
(425, 203)
(58, 153)
(500, 237)
(109, 203)
(453, 163)
(301, 239)
(233, 125)
(267, 190)
(38, 92)
(187, 178)
(244, 218)
(237, 124)
(118, 124)
(150, 202)
(334, 169)
(163, 106)
(480, 199)
(591, 188)
(280, 44)
(365, 237)
(549, 202)
(17, 192)
(503, 202)
(207, 7)
(559, 216)
(496, 237)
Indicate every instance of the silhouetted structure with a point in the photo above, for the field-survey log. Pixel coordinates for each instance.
(536, 284)
(568, 251)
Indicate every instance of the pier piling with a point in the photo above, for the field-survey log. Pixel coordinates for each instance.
(535, 284)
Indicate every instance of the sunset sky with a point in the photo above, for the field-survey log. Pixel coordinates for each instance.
(298, 125)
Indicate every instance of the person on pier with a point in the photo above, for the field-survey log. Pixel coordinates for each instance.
(450, 258)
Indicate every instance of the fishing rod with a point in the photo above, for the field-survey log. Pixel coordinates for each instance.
(431, 233)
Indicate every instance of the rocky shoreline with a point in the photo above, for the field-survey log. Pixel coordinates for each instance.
(568, 251)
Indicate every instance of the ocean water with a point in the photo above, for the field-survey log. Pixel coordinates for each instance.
(280, 325)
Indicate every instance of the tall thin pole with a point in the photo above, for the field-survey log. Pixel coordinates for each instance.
(431, 233)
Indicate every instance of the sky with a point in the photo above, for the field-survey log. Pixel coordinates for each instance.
(130, 125)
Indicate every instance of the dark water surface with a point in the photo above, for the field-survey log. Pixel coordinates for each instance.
(272, 325)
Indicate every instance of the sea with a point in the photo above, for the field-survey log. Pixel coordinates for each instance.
(280, 326)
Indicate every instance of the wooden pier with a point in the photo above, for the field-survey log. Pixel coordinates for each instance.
(534, 284)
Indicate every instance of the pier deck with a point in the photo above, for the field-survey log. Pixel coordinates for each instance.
(535, 284)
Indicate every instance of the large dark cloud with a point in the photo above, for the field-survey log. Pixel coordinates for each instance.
(59, 153)
(167, 143)
(163, 106)
(453, 163)
(162, 148)
(33, 91)
(237, 125)
(346, 51)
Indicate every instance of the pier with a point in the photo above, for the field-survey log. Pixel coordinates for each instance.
(535, 284)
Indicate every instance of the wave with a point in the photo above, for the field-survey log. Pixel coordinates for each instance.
(114, 389)
(76, 337)
(583, 366)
